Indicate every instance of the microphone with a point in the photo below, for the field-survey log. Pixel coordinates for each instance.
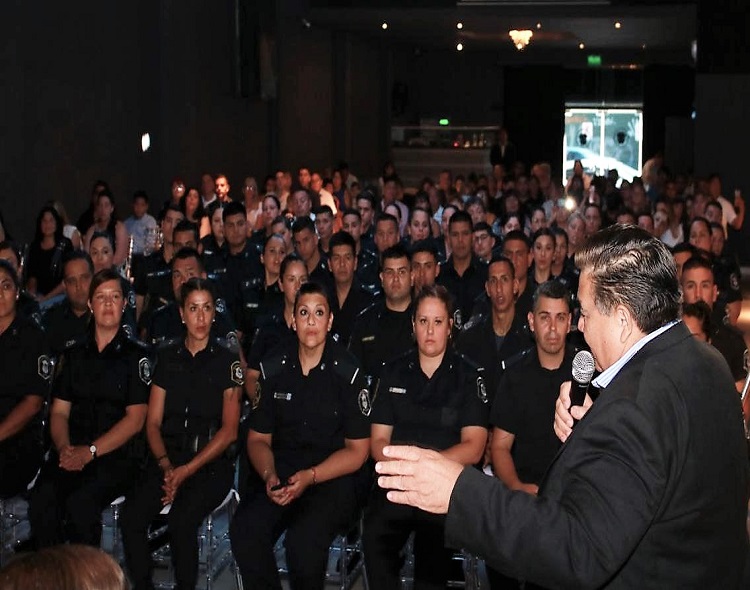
(583, 370)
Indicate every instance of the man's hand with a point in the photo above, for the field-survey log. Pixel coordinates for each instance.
(419, 477)
(75, 458)
(565, 415)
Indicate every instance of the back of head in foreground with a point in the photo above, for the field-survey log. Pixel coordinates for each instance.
(64, 567)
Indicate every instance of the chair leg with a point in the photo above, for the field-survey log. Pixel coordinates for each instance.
(209, 550)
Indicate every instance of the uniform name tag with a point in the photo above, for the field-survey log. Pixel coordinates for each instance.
(281, 395)
(368, 338)
(396, 390)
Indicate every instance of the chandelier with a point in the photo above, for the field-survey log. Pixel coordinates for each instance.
(520, 38)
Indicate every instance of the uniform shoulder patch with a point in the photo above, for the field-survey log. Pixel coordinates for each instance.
(482, 390)
(45, 366)
(131, 299)
(363, 400)
(221, 306)
(237, 374)
(145, 370)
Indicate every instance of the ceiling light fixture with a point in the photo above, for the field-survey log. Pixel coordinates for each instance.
(520, 38)
(460, 47)
(459, 26)
(538, 26)
(384, 26)
(581, 46)
(618, 25)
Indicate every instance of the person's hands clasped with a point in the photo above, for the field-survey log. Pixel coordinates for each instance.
(296, 486)
(75, 458)
(565, 415)
(173, 479)
(418, 477)
(276, 496)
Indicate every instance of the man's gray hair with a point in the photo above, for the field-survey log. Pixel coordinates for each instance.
(628, 266)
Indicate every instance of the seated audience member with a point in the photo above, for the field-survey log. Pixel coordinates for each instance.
(433, 397)
(105, 220)
(697, 317)
(523, 440)
(483, 241)
(46, 253)
(26, 370)
(308, 440)
(97, 413)
(193, 414)
(140, 223)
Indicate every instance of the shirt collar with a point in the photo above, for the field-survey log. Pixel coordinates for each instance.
(609, 374)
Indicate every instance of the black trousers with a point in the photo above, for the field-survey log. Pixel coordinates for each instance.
(311, 523)
(20, 458)
(67, 505)
(387, 526)
(195, 499)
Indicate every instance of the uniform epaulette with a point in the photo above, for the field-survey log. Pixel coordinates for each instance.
(345, 365)
(373, 290)
(369, 309)
(163, 343)
(470, 362)
(474, 320)
(516, 358)
(272, 366)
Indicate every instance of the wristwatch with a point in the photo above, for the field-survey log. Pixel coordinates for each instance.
(92, 450)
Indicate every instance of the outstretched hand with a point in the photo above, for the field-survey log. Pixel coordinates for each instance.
(565, 414)
(418, 477)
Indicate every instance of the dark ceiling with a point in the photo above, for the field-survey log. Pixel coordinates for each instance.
(650, 32)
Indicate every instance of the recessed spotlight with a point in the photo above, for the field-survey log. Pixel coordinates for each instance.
(459, 26)
(459, 47)
(618, 25)
(581, 46)
(384, 26)
(538, 26)
(145, 142)
(643, 46)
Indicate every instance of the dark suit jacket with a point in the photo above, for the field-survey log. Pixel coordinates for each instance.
(649, 491)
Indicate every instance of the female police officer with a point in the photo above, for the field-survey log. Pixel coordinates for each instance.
(25, 369)
(192, 419)
(98, 407)
(430, 397)
(308, 440)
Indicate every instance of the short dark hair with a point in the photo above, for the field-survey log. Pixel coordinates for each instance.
(102, 234)
(342, 238)
(684, 247)
(185, 254)
(303, 223)
(7, 267)
(460, 217)
(396, 251)
(13, 247)
(140, 194)
(630, 267)
(197, 284)
(701, 311)
(505, 260)
(290, 258)
(234, 208)
(552, 290)
(287, 221)
(185, 225)
(697, 262)
(351, 211)
(518, 235)
(427, 246)
(702, 220)
(312, 288)
(386, 217)
(369, 196)
(74, 255)
(104, 276)
(542, 231)
(323, 209)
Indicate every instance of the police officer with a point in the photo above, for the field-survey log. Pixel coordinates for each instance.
(383, 330)
(237, 268)
(102, 253)
(151, 284)
(522, 414)
(430, 397)
(166, 325)
(26, 370)
(494, 340)
(68, 320)
(350, 297)
(192, 421)
(306, 245)
(98, 410)
(463, 274)
(367, 260)
(309, 438)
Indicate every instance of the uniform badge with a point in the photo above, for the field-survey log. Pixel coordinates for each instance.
(364, 402)
(44, 367)
(734, 281)
(128, 330)
(457, 319)
(238, 375)
(131, 299)
(482, 390)
(232, 341)
(144, 370)
(221, 307)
